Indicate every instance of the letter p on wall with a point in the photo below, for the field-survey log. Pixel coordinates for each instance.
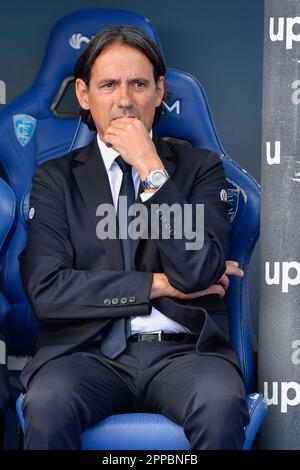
(291, 36)
(288, 389)
(286, 279)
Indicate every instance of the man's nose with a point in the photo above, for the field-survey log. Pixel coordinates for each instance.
(124, 97)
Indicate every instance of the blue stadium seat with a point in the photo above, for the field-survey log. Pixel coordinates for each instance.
(8, 207)
(27, 142)
(7, 220)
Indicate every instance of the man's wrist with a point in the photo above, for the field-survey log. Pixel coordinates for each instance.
(153, 190)
(145, 165)
(159, 285)
(155, 179)
(145, 170)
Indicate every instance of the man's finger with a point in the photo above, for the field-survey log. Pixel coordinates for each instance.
(234, 271)
(232, 263)
(214, 289)
(117, 124)
(225, 281)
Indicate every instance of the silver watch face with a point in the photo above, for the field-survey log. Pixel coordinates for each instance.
(158, 177)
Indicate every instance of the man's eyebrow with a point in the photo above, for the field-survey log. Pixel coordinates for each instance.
(114, 80)
(139, 79)
(107, 80)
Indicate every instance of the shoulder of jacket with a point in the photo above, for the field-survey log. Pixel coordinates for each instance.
(184, 149)
(62, 162)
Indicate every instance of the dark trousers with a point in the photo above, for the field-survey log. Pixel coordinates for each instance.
(204, 394)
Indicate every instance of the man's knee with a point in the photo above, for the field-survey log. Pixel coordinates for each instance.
(217, 421)
(218, 406)
(51, 421)
(48, 402)
(224, 405)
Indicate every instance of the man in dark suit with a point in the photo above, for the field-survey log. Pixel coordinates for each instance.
(124, 322)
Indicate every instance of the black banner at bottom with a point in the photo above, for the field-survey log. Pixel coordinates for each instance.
(136, 458)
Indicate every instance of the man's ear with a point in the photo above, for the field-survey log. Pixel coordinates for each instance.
(160, 90)
(81, 90)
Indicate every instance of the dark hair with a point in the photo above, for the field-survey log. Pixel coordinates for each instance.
(124, 35)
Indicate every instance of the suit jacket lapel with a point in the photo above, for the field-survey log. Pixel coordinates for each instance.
(93, 183)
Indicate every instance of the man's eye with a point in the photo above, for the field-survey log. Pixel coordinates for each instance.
(107, 85)
(140, 84)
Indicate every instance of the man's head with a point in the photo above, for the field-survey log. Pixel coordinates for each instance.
(120, 73)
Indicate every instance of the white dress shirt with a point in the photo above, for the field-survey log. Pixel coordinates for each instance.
(156, 321)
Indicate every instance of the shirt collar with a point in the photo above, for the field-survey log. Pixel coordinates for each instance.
(108, 153)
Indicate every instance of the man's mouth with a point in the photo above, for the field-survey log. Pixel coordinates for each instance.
(131, 114)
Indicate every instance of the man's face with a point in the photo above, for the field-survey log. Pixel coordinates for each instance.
(122, 84)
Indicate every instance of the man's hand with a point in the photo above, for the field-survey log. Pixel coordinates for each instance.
(129, 137)
(162, 288)
(232, 269)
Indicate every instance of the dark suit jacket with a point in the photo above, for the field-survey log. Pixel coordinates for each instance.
(71, 276)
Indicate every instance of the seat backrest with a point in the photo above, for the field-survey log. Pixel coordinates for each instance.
(7, 222)
(187, 116)
(33, 129)
(7, 215)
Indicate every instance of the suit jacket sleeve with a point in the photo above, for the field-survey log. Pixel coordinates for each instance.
(56, 291)
(191, 270)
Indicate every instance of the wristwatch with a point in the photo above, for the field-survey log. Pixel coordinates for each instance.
(155, 179)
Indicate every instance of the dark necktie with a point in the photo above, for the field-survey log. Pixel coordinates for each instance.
(115, 341)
